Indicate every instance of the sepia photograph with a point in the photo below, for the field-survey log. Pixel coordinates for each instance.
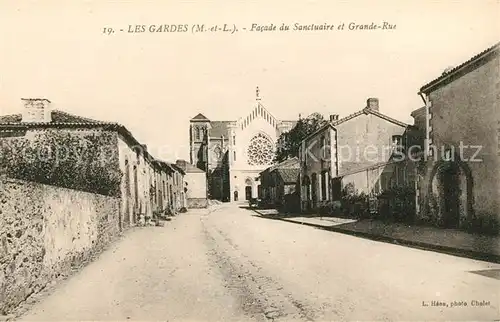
(306, 160)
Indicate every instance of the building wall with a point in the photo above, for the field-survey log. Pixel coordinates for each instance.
(196, 190)
(318, 159)
(379, 178)
(466, 112)
(239, 170)
(177, 183)
(365, 140)
(134, 164)
(234, 168)
(419, 118)
(44, 231)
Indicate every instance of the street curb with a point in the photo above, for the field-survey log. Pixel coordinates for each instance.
(449, 250)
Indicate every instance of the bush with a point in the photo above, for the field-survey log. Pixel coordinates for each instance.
(76, 160)
(354, 203)
(485, 225)
(400, 205)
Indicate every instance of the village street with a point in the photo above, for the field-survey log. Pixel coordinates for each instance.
(233, 265)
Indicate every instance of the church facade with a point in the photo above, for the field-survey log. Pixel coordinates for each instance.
(233, 153)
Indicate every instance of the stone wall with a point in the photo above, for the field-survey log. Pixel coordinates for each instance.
(44, 231)
(464, 118)
(197, 203)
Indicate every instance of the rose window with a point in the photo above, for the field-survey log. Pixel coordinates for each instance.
(260, 150)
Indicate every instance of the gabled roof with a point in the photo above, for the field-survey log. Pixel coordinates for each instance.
(289, 175)
(219, 128)
(418, 111)
(56, 116)
(188, 167)
(200, 117)
(291, 163)
(369, 111)
(462, 69)
(177, 168)
(364, 111)
(63, 120)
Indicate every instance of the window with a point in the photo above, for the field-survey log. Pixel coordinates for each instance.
(322, 147)
(397, 141)
(234, 155)
(234, 139)
(260, 151)
(324, 178)
(447, 155)
(197, 134)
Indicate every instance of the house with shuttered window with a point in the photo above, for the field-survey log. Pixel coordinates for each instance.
(357, 151)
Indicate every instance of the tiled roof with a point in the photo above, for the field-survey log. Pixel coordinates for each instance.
(57, 117)
(369, 111)
(461, 69)
(14, 118)
(65, 120)
(219, 128)
(418, 111)
(356, 114)
(291, 163)
(289, 175)
(188, 167)
(176, 168)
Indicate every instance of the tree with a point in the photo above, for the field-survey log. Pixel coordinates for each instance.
(289, 142)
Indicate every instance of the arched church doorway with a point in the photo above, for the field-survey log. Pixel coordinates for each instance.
(235, 195)
(248, 192)
(451, 186)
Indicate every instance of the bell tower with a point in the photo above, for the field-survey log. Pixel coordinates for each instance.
(199, 133)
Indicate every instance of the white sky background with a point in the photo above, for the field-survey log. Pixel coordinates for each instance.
(154, 83)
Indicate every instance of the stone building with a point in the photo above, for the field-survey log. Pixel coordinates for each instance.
(121, 152)
(360, 149)
(460, 185)
(279, 184)
(169, 182)
(195, 185)
(233, 153)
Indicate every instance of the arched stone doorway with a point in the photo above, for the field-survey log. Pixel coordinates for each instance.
(248, 188)
(235, 195)
(451, 191)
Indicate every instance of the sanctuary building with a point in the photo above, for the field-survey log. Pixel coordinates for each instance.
(233, 153)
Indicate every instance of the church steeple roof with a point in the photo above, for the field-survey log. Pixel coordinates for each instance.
(200, 117)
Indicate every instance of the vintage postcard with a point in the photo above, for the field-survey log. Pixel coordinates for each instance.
(250, 160)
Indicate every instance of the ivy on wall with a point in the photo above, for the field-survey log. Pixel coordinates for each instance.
(86, 161)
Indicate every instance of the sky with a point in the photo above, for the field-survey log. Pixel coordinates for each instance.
(155, 82)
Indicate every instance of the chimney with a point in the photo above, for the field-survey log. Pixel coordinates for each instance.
(372, 103)
(334, 117)
(36, 110)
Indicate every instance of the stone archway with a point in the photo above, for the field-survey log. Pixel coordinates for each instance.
(451, 186)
